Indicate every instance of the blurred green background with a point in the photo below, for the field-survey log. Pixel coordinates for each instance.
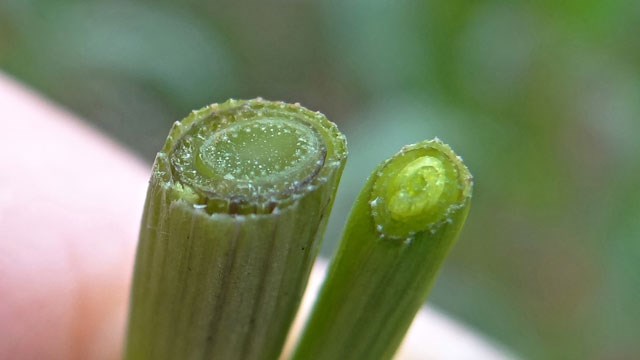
(542, 99)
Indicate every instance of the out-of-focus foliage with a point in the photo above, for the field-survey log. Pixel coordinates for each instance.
(542, 99)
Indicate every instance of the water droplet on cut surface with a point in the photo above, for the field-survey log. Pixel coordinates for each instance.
(409, 240)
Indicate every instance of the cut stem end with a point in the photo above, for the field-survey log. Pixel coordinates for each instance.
(417, 189)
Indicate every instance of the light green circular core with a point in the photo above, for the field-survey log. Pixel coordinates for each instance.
(416, 189)
(413, 191)
(250, 161)
(264, 152)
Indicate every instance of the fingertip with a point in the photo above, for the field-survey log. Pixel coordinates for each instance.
(70, 206)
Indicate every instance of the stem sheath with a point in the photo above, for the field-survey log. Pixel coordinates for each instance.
(236, 208)
(400, 230)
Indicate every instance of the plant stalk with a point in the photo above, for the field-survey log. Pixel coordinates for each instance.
(401, 228)
(235, 212)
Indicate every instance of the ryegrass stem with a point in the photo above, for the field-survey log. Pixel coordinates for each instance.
(402, 226)
(236, 208)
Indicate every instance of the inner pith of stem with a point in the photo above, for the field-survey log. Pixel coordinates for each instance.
(248, 161)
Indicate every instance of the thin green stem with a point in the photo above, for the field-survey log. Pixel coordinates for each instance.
(236, 208)
(400, 230)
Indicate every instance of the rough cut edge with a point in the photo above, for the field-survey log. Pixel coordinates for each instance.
(432, 335)
(336, 151)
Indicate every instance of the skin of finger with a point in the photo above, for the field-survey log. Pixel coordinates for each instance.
(70, 205)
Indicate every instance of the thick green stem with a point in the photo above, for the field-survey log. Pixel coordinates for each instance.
(236, 208)
(400, 230)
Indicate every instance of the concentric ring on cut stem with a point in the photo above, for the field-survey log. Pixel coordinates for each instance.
(250, 157)
(416, 189)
